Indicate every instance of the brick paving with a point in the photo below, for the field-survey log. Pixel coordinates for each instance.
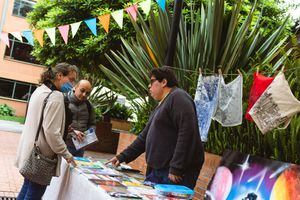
(10, 179)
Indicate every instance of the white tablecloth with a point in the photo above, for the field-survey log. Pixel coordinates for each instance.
(71, 185)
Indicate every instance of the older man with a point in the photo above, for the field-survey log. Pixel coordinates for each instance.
(171, 140)
(80, 115)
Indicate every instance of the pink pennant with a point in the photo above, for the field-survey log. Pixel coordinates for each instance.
(64, 31)
(132, 10)
(4, 38)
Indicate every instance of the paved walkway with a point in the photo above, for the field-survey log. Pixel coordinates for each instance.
(10, 179)
(10, 126)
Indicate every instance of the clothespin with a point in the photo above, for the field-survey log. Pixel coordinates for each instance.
(200, 71)
(282, 69)
(257, 69)
(240, 73)
(220, 71)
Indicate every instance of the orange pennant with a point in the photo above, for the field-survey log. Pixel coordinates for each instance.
(104, 20)
(38, 34)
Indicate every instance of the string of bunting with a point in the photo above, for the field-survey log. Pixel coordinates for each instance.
(104, 20)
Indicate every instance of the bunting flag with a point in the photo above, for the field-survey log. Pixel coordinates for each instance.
(38, 34)
(17, 35)
(64, 31)
(74, 28)
(4, 38)
(132, 11)
(145, 6)
(29, 37)
(162, 4)
(118, 17)
(91, 23)
(104, 20)
(51, 34)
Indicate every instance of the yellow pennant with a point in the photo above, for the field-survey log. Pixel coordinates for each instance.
(38, 34)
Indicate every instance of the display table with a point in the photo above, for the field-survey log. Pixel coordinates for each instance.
(72, 185)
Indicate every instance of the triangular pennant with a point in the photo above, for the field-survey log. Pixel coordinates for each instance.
(38, 34)
(145, 6)
(29, 37)
(51, 34)
(74, 28)
(91, 23)
(17, 35)
(132, 11)
(118, 17)
(64, 31)
(104, 20)
(162, 4)
(4, 38)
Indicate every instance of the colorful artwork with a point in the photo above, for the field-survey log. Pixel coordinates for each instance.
(246, 177)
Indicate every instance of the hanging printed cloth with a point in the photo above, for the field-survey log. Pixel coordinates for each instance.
(206, 102)
(276, 106)
(259, 85)
(230, 108)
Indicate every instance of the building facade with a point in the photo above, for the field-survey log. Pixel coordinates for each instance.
(19, 71)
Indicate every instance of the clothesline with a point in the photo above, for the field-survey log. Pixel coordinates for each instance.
(210, 73)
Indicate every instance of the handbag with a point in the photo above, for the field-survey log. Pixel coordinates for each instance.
(39, 168)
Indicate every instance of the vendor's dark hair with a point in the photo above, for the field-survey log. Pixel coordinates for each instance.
(64, 68)
(165, 72)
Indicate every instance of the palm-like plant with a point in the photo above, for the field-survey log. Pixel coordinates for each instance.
(210, 39)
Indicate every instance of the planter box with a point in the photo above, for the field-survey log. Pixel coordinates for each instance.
(120, 124)
(108, 140)
(125, 139)
(209, 167)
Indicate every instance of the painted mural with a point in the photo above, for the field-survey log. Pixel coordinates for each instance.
(246, 177)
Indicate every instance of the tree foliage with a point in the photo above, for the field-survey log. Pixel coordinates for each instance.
(85, 50)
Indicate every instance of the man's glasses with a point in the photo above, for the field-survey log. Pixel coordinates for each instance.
(152, 81)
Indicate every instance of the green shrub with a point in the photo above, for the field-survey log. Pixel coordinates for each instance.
(5, 110)
(120, 111)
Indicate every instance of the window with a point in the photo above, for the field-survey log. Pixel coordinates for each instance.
(15, 89)
(20, 51)
(22, 7)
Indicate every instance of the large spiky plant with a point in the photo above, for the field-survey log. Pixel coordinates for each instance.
(209, 40)
(212, 40)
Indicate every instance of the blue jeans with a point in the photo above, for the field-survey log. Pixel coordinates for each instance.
(161, 176)
(31, 191)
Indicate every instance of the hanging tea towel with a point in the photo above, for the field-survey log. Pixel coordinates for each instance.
(206, 102)
(276, 106)
(259, 85)
(230, 108)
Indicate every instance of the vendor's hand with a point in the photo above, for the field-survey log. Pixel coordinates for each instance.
(174, 178)
(79, 135)
(71, 161)
(114, 161)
